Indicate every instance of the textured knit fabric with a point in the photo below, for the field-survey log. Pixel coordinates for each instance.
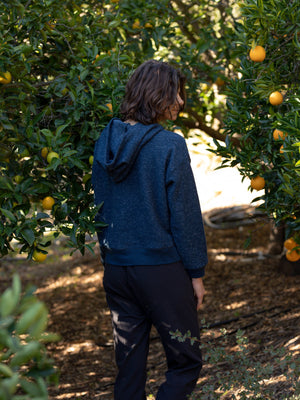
(142, 174)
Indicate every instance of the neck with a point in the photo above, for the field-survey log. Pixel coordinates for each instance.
(130, 121)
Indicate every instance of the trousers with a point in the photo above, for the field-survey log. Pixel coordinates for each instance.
(142, 296)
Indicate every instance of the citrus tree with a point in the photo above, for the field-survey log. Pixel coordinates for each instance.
(263, 111)
(62, 73)
(63, 67)
(204, 44)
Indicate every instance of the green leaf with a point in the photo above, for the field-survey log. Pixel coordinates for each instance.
(8, 214)
(60, 129)
(28, 235)
(47, 133)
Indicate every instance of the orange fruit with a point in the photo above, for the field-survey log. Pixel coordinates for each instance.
(52, 155)
(220, 81)
(275, 98)
(292, 255)
(109, 106)
(281, 149)
(257, 54)
(98, 55)
(290, 244)
(258, 183)
(18, 178)
(44, 152)
(5, 77)
(136, 24)
(38, 256)
(148, 25)
(48, 203)
(277, 134)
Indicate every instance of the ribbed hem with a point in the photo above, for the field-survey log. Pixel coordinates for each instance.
(140, 256)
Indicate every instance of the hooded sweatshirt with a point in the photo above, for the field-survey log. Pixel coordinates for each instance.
(142, 175)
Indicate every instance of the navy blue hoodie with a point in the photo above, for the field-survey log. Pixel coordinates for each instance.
(142, 174)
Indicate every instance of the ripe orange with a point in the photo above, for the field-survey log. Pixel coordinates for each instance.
(5, 77)
(98, 55)
(110, 107)
(290, 244)
(258, 183)
(136, 24)
(48, 203)
(281, 150)
(38, 256)
(257, 54)
(275, 98)
(277, 134)
(292, 255)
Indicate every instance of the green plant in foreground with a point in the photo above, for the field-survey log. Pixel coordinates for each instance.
(25, 369)
(239, 372)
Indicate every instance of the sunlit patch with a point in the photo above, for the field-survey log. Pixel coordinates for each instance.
(235, 305)
(72, 395)
(78, 278)
(294, 345)
(75, 348)
(220, 257)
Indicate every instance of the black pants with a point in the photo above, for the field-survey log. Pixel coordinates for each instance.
(161, 295)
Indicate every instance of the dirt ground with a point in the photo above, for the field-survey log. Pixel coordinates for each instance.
(244, 290)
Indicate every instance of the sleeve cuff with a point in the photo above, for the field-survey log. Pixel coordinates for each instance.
(196, 273)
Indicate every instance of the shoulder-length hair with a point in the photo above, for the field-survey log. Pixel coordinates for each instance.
(152, 88)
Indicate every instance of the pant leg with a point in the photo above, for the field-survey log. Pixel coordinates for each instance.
(131, 330)
(167, 294)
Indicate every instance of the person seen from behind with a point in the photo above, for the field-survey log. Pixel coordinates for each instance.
(153, 248)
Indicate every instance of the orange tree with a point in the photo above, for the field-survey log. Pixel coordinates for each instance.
(62, 71)
(63, 66)
(263, 109)
(204, 44)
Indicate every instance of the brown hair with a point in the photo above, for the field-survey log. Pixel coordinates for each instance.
(152, 88)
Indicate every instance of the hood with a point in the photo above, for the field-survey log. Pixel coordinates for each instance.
(119, 145)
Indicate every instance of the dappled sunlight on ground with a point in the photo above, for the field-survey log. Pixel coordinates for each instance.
(244, 291)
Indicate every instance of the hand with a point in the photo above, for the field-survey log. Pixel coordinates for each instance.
(198, 290)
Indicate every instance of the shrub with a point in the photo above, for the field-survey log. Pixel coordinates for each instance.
(25, 369)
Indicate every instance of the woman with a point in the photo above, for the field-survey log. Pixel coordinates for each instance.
(153, 248)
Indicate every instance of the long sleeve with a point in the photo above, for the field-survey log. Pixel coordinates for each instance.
(185, 212)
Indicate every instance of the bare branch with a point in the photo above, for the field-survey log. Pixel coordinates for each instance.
(198, 123)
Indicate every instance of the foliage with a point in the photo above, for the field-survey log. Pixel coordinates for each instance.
(204, 46)
(238, 371)
(251, 118)
(68, 64)
(25, 369)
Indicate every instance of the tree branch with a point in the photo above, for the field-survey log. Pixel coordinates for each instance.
(183, 24)
(198, 123)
